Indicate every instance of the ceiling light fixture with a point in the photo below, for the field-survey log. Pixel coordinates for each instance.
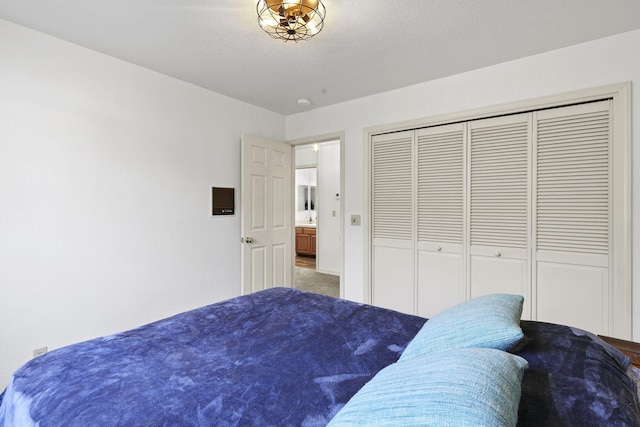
(291, 20)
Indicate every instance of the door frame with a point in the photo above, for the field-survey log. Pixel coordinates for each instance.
(329, 137)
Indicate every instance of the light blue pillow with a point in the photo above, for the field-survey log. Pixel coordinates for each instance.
(489, 321)
(463, 387)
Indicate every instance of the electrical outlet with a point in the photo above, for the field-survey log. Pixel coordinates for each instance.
(39, 351)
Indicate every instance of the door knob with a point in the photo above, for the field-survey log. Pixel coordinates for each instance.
(498, 254)
(248, 240)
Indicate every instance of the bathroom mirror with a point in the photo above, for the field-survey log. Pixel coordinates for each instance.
(306, 182)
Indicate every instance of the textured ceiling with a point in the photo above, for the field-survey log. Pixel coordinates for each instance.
(366, 46)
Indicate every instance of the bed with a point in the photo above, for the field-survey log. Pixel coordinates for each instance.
(284, 357)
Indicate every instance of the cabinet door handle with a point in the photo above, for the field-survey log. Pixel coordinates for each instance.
(438, 248)
(498, 254)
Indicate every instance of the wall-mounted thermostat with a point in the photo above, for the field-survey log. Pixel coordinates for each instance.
(222, 201)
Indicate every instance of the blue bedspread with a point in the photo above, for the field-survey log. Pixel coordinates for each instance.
(284, 357)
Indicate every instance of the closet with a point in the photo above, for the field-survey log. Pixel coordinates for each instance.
(520, 203)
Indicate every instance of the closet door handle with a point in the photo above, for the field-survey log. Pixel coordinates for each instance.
(498, 254)
(438, 248)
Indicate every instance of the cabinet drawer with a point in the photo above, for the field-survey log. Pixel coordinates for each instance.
(309, 230)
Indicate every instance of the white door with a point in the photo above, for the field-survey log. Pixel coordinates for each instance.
(572, 212)
(265, 214)
(392, 219)
(498, 200)
(440, 192)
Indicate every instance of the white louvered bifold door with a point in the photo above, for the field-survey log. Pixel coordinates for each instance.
(536, 204)
(498, 198)
(392, 210)
(572, 215)
(440, 195)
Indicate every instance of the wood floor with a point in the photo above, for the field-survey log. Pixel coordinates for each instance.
(306, 261)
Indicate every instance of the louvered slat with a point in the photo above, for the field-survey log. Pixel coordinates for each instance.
(440, 184)
(498, 182)
(392, 186)
(572, 189)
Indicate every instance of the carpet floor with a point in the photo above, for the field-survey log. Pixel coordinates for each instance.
(308, 279)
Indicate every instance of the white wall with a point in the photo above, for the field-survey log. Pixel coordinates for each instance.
(329, 243)
(305, 156)
(106, 171)
(601, 62)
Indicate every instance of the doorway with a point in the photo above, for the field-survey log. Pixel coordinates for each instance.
(318, 217)
(306, 215)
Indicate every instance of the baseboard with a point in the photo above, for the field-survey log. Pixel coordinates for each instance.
(331, 273)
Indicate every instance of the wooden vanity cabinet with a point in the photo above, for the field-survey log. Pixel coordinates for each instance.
(306, 241)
